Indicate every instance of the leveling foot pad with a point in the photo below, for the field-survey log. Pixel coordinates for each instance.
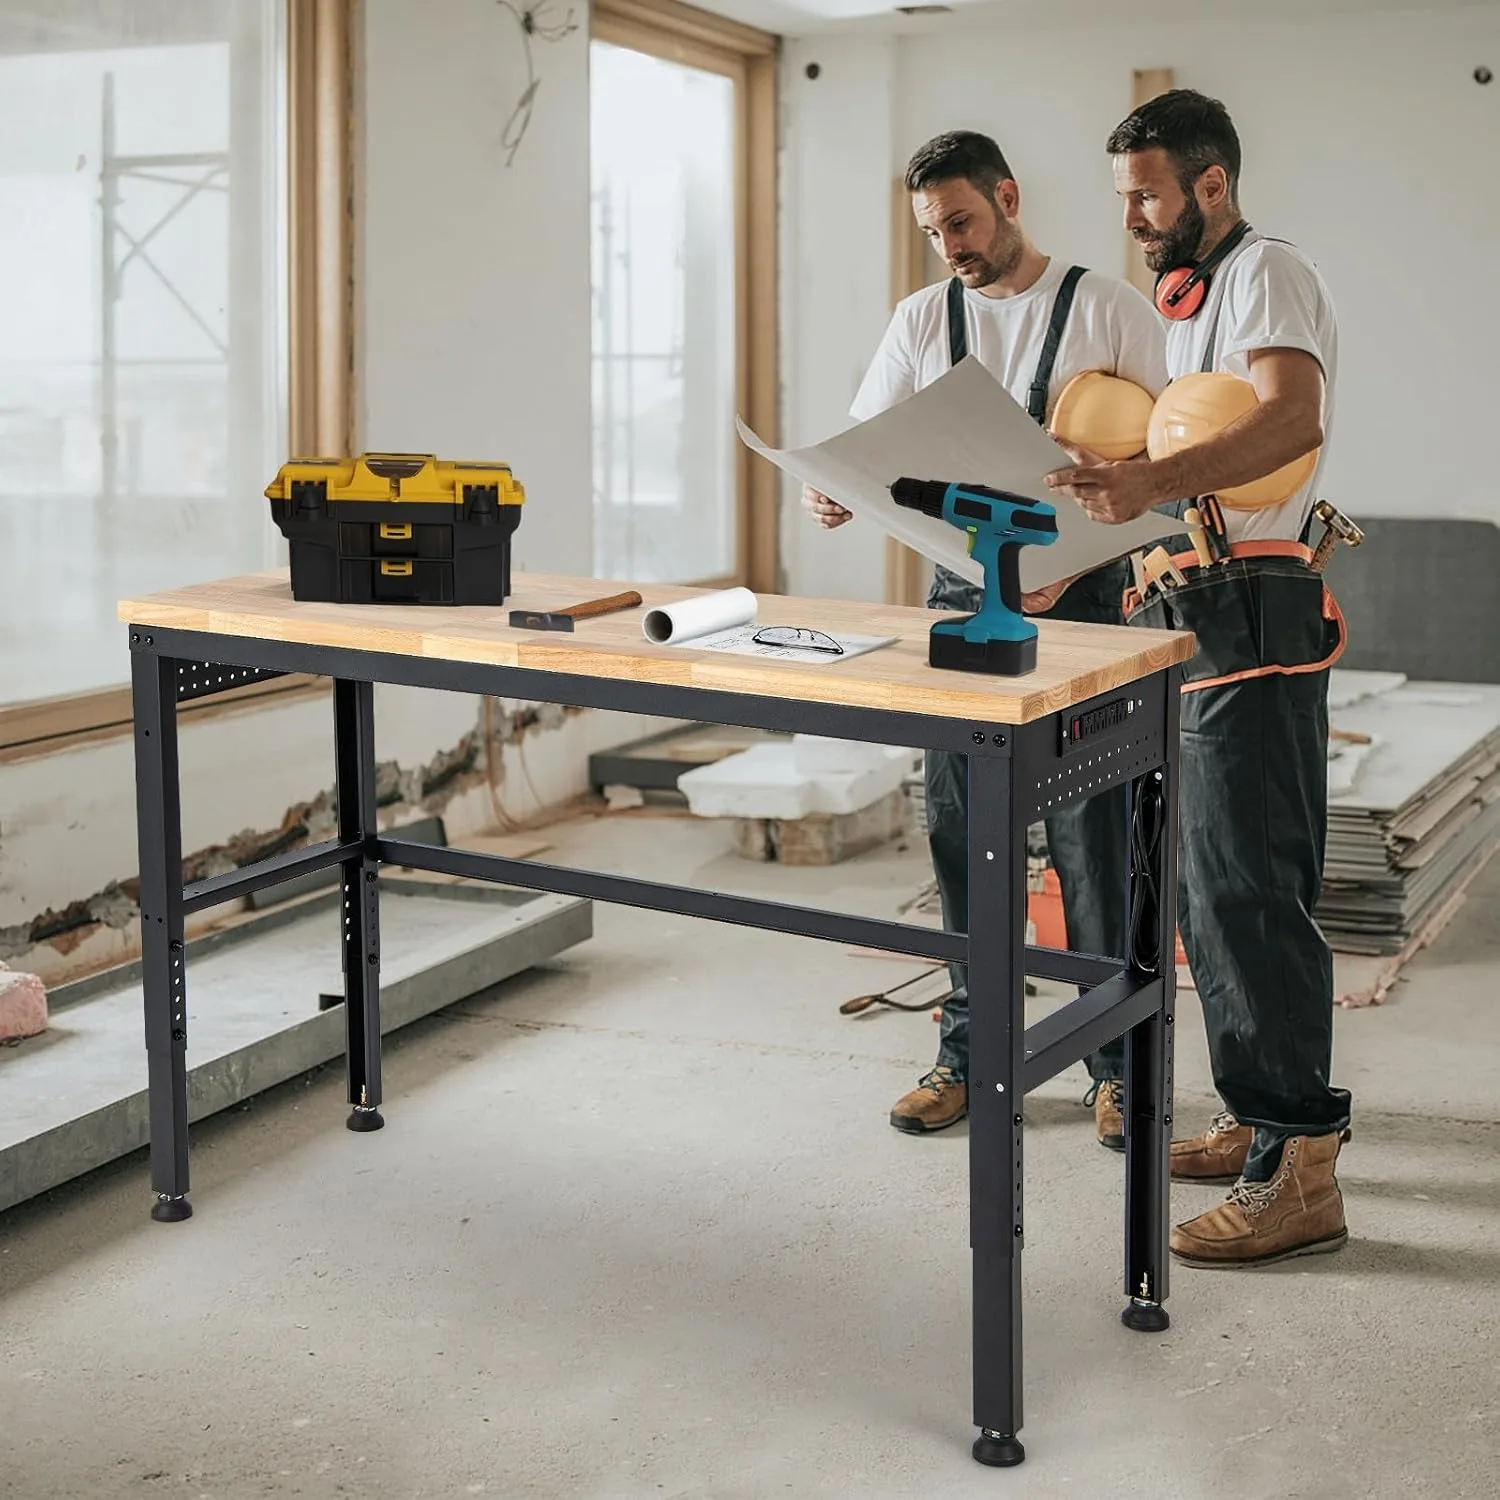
(1146, 1317)
(999, 658)
(364, 1117)
(168, 1210)
(998, 1451)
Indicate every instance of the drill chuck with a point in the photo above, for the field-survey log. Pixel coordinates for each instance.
(925, 495)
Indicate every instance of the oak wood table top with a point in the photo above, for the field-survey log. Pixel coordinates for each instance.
(1075, 661)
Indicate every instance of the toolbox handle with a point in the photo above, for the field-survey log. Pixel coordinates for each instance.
(395, 465)
(394, 569)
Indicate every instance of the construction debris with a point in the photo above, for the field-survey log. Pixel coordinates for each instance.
(1413, 806)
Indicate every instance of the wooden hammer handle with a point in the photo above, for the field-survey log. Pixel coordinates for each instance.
(593, 607)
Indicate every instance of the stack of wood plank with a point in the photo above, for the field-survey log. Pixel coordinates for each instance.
(1413, 805)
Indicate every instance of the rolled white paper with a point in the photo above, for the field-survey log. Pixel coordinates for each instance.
(674, 623)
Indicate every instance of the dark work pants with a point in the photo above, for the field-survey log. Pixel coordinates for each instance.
(1087, 843)
(1253, 813)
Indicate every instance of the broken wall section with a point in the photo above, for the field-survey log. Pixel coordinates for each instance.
(259, 780)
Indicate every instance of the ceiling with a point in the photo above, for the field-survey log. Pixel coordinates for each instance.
(810, 17)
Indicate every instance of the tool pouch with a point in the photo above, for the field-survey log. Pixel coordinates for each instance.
(951, 591)
(1262, 611)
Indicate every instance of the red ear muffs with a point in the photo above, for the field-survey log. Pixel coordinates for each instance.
(1182, 290)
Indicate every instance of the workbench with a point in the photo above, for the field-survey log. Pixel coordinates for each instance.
(1099, 710)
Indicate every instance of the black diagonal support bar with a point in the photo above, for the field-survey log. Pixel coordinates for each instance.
(1084, 1025)
(1071, 968)
(800, 921)
(279, 867)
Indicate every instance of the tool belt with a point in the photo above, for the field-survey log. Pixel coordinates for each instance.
(1261, 611)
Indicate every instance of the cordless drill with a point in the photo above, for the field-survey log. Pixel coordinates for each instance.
(999, 638)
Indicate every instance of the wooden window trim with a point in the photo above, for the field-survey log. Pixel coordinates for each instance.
(683, 34)
(320, 340)
(320, 228)
(47, 726)
(1145, 85)
(906, 568)
(662, 22)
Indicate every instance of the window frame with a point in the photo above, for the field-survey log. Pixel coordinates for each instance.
(914, 265)
(319, 334)
(750, 59)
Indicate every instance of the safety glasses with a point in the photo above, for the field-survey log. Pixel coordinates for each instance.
(798, 638)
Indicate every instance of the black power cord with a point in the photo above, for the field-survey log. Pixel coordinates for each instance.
(1147, 825)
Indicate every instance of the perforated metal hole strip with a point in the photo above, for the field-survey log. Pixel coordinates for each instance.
(1062, 783)
(200, 679)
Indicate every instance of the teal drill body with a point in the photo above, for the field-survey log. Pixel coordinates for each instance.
(998, 638)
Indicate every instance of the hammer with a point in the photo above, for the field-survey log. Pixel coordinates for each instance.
(1340, 529)
(562, 619)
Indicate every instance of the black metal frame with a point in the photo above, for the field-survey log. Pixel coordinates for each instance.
(1017, 774)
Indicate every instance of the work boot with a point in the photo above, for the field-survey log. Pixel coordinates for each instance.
(939, 1100)
(1108, 1098)
(1300, 1211)
(1218, 1155)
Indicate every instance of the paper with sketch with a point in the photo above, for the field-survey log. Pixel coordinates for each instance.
(741, 642)
(966, 427)
(724, 621)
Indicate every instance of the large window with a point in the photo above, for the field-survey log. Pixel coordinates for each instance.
(664, 357)
(683, 218)
(142, 357)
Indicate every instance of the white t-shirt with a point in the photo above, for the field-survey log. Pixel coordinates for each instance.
(1111, 327)
(1266, 295)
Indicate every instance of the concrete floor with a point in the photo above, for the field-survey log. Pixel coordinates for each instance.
(637, 1227)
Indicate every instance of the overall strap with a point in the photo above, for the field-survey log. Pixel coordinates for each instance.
(1036, 397)
(958, 337)
(1213, 333)
(1213, 338)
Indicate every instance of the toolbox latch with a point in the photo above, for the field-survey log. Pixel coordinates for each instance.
(309, 497)
(481, 502)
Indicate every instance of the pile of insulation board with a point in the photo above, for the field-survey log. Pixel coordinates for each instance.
(1413, 805)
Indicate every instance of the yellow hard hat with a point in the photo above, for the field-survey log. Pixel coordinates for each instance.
(1194, 408)
(1103, 413)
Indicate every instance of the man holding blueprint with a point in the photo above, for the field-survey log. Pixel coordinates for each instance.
(1034, 324)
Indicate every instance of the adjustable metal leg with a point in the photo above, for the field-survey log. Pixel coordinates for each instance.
(354, 737)
(163, 958)
(1148, 1046)
(997, 946)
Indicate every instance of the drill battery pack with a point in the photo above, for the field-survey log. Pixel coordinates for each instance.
(397, 528)
(946, 647)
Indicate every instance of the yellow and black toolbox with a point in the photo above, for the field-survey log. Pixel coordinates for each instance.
(397, 528)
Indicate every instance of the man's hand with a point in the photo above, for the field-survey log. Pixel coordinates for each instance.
(1039, 601)
(827, 513)
(1110, 492)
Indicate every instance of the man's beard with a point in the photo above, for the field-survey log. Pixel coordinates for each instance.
(1179, 241)
(1001, 256)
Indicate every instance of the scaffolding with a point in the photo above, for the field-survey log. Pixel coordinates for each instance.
(191, 173)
